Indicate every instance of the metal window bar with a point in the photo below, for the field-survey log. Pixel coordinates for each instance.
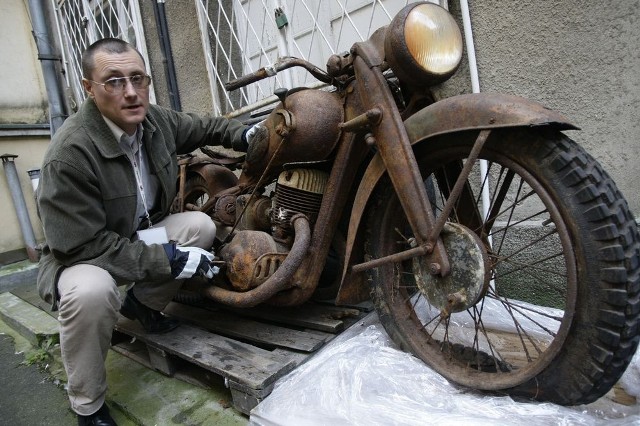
(241, 36)
(82, 22)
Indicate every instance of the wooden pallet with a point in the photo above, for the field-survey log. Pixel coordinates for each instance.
(249, 349)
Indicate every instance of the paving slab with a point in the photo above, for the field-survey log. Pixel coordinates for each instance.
(137, 395)
(17, 274)
(32, 323)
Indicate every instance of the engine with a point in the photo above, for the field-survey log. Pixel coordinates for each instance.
(264, 234)
(300, 132)
(297, 191)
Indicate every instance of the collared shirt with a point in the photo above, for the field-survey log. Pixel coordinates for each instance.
(147, 183)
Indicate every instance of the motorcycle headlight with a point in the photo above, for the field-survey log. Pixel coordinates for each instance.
(423, 44)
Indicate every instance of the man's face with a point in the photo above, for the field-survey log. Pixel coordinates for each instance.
(128, 107)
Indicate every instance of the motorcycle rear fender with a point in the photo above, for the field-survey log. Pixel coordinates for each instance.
(476, 111)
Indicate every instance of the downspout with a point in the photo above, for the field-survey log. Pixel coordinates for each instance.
(48, 58)
(167, 55)
(471, 51)
(475, 88)
(20, 205)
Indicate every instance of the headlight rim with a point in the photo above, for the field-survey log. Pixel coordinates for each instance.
(402, 61)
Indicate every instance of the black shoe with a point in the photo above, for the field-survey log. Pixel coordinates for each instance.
(99, 418)
(153, 321)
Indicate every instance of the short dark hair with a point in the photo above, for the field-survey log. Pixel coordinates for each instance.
(109, 44)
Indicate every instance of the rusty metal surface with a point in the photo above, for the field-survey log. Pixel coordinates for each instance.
(256, 212)
(281, 64)
(395, 149)
(482, 111)
(350, 152)
(281, 278)
(218, 178)
(307, 137)
(459, 185)
(241, 255)
(469, 277)
(459, 113)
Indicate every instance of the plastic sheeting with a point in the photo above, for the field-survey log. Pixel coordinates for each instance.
(360, 378)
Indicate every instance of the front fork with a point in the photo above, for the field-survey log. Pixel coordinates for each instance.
(390, 137)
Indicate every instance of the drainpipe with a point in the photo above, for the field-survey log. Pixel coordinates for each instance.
(20, 205)
(167, 55)
(48, 59)
(475, 87)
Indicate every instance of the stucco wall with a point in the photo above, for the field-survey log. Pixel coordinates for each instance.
(579, 57)
(188, 57)
(22, 101)
(22, 91)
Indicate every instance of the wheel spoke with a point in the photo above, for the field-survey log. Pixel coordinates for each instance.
(472, 330)
(498, 199)
(530, 265)
(530, 244)
(522, 307)
(522, 312)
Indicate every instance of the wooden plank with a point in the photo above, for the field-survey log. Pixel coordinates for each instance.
(245, 364)
(161, 361)
(245, 402)
(233, 325)
(366, 306)
(331, 319)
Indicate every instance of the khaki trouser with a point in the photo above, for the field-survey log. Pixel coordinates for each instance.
(89, 305)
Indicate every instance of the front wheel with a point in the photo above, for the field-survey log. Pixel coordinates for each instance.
(543, 297)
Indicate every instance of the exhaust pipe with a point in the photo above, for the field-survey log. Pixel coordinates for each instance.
(279, 280)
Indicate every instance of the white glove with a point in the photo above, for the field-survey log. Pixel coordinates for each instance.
(187, 262)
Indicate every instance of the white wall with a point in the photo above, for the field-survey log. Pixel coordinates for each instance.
(22, 101)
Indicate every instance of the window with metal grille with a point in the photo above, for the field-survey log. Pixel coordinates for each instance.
(82, 22)
(242, 36)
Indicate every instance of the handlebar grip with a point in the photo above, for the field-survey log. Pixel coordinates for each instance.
(245, 80)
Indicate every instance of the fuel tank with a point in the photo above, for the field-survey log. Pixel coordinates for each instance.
(303, 128)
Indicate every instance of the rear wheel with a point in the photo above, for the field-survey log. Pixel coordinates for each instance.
(543, 297)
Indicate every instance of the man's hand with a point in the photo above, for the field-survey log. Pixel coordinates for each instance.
(255, 134)
(187, 262)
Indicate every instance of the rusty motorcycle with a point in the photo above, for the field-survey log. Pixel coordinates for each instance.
(493, 247)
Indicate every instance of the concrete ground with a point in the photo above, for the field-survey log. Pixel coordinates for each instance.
(34, 394)
(30, 396)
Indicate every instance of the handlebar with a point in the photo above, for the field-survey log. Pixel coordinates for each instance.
(281, 64)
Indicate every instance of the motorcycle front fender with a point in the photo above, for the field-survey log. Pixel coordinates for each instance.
(478, 111)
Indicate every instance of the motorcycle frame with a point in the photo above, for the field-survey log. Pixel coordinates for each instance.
(396, 139)
(372, 117)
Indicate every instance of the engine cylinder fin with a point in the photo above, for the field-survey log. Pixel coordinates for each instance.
(298, 191)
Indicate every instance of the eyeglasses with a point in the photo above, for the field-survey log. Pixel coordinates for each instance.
(118, 84)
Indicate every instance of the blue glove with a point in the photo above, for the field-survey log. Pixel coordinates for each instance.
(187, 262)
